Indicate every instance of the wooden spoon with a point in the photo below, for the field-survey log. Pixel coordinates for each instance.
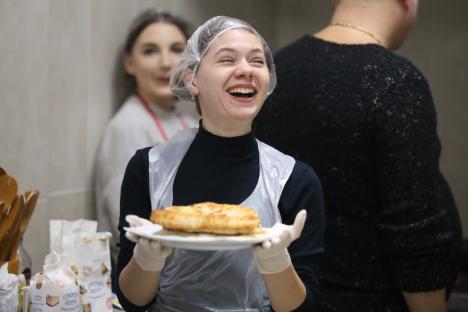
(3, 210)
(7, 226)
(8, 189)
(8, 220)
(2, 171)
(10, 238)
(30, 203)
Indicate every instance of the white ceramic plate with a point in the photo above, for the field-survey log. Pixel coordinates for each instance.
(197, 241)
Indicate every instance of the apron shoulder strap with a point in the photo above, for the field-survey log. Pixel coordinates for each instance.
(164, 159)
(277, 168)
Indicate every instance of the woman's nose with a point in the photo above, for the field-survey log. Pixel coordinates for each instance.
(165, 60)
(244, 69)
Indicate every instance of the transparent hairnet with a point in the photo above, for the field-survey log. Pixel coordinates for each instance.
(201, 41)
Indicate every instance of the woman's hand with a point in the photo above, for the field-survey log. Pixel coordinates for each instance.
(149, 255)
(272, 256)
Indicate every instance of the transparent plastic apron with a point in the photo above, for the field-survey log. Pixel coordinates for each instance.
(215, 280)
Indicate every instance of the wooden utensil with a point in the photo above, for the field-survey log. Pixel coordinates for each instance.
(3, 210)
(30, 198)
(8, 189)
(8, 228)
(8, 220)
(30, 203)
(13, 222)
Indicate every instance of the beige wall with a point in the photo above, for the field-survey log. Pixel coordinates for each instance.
(58, 61)
(296, 18)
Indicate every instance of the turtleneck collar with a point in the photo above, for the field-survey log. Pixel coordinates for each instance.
(240, 147)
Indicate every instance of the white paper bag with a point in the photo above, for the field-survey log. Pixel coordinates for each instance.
(8, 290)
(90, 254)
(56, 289)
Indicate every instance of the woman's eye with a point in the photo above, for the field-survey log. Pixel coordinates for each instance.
(178, 50)
(258, 61)
(149, 51)
(227, 60)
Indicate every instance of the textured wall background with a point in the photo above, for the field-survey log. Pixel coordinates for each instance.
(56, 82)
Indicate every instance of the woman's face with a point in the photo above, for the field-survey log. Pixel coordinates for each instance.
(232, 83)
(155, 52)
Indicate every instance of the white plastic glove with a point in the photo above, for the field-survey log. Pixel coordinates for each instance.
(272, 256)
(150, 255)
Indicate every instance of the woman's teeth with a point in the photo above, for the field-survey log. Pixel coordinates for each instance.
(242, 92)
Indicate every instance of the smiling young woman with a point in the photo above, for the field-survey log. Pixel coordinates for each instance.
(227, 69)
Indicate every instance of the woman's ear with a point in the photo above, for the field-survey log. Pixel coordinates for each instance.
(128, 64)
(190, 85)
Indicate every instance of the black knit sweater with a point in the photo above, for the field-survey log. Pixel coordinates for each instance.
(226, 170)
(364, 119)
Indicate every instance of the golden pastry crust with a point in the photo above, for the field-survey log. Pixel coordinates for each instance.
(208, 217)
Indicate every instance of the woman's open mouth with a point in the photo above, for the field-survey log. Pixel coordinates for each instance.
(243, 93)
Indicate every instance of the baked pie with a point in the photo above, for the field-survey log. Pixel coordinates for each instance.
(208, 217)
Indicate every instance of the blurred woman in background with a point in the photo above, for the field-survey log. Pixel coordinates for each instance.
(150, 115)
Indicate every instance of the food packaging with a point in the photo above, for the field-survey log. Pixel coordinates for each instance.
(88, 255)
(8, 290)
(56, 288)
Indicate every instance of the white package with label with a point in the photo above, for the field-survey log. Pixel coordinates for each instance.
(8, 290)
(55, 289)
(90, 253)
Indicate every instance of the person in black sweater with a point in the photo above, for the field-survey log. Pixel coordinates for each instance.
(364, 119)
(228, 69)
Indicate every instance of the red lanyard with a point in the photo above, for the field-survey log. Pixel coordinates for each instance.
(156, 119)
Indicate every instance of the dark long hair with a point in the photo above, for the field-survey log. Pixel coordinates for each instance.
(149, 17)
(125, 84)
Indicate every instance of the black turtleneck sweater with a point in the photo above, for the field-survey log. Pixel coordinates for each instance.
(226, 170)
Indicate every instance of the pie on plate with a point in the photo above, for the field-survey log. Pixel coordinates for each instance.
(208, 217)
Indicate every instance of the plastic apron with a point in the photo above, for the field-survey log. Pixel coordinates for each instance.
(215, 280)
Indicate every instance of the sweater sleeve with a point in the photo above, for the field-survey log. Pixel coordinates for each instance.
(303, 191)
(135, 200)
(412, 223)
